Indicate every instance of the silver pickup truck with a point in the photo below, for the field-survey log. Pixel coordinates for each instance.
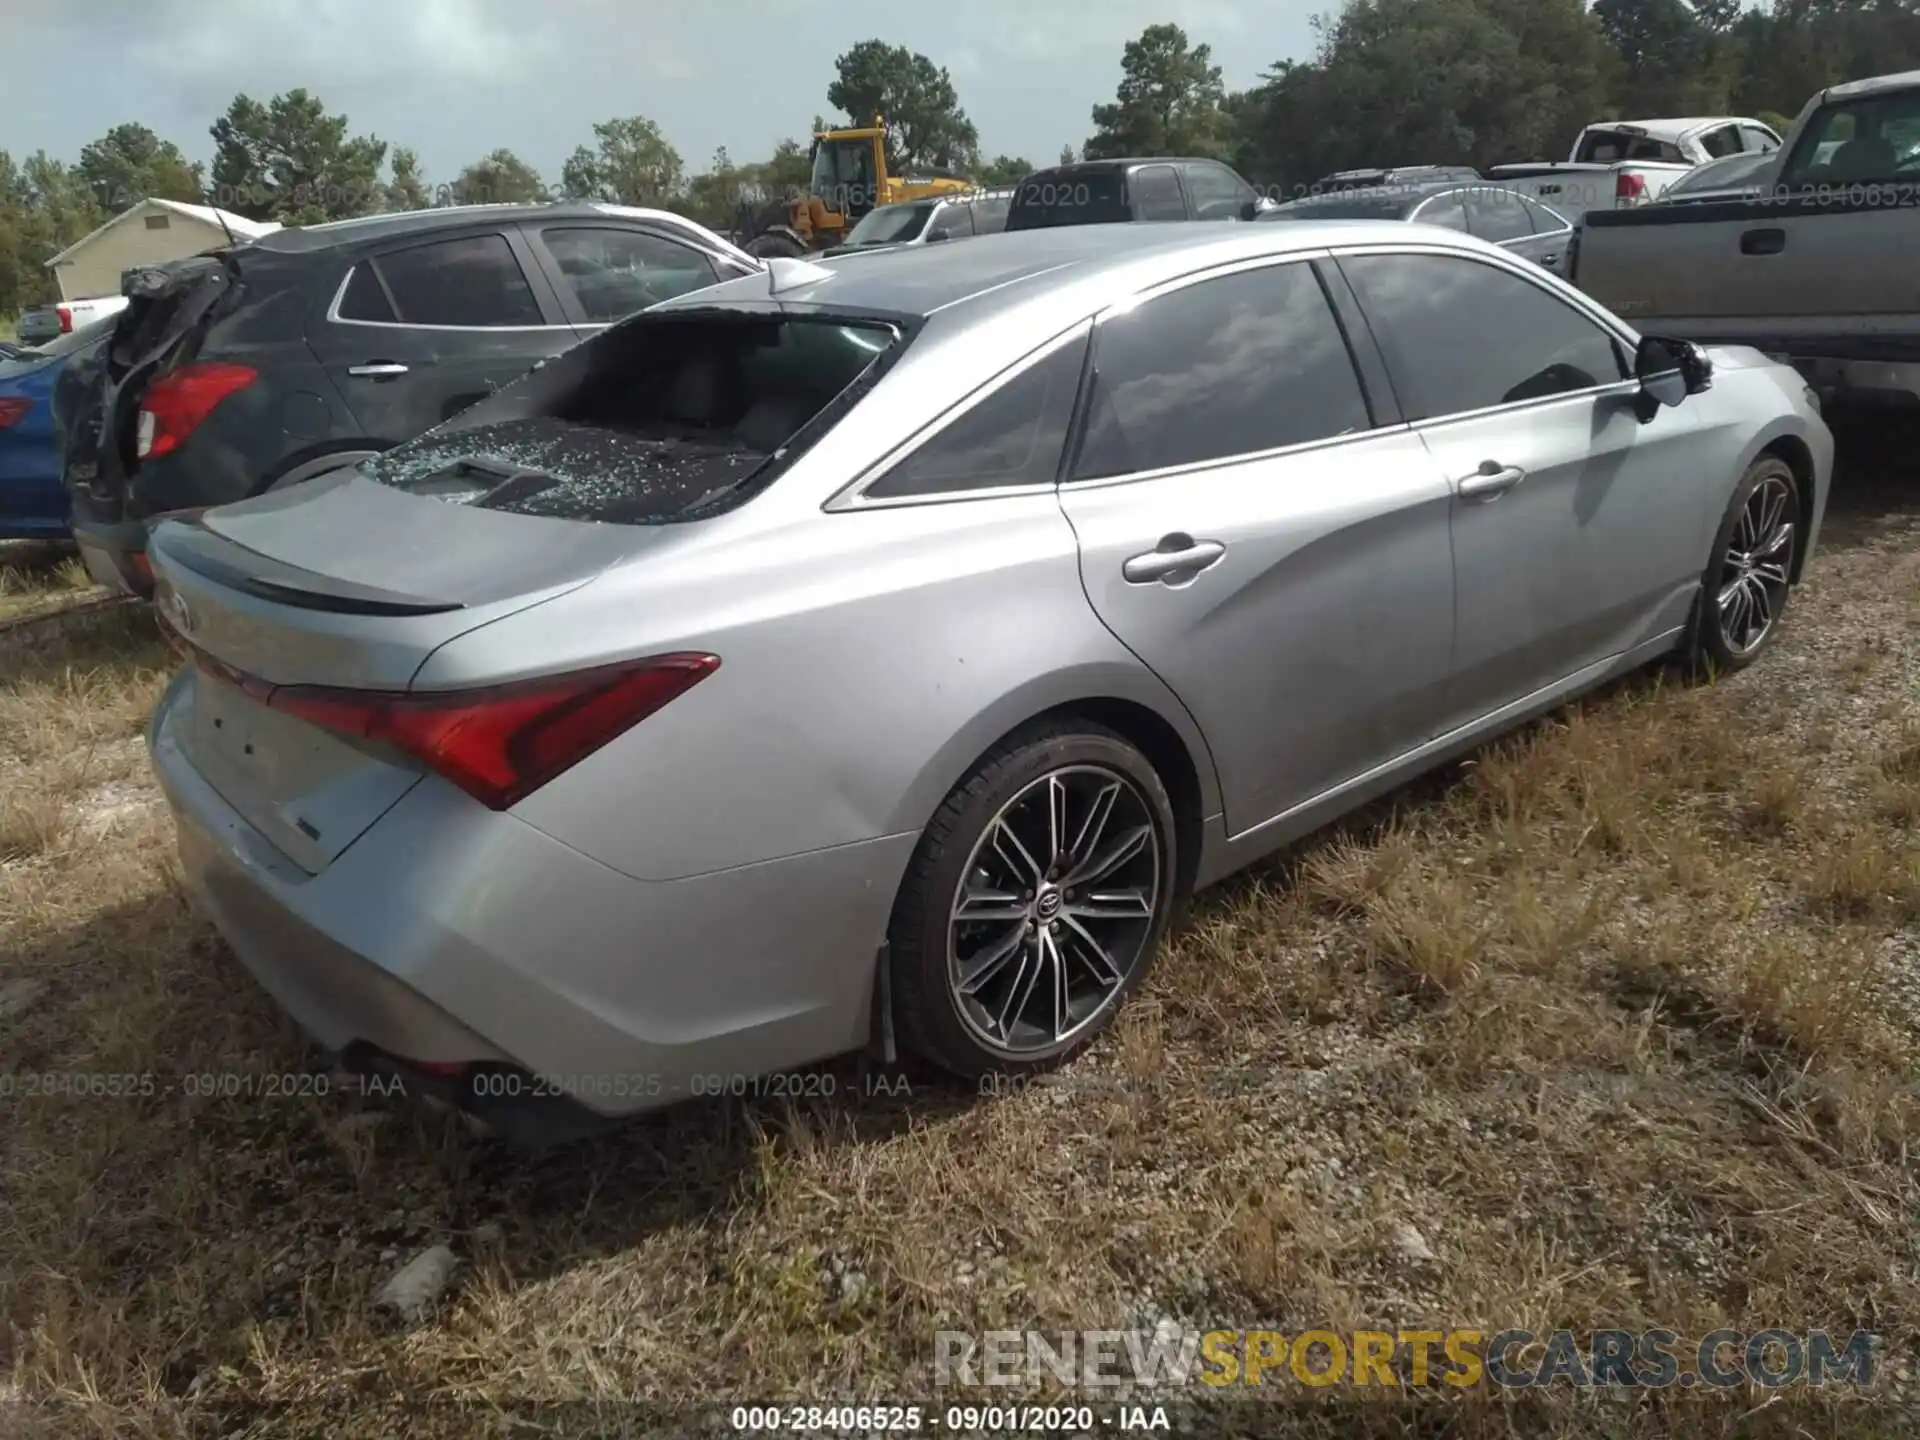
(1813, 260)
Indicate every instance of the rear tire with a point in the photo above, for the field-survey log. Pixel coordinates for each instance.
(1034, 903)
(1748, 579)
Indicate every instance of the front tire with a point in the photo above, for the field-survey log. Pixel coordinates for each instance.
(1034, 903)
(1749, 577)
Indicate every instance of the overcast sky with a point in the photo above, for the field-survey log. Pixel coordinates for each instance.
(458, 78)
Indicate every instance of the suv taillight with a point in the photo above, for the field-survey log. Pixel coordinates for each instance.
(177, 403)
(65, 312)
(1629, 186)
(498, 744)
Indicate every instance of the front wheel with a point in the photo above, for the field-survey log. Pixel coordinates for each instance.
(1749, 577)
(1034, 902)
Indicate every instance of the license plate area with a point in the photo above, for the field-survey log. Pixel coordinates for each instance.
(309, 793)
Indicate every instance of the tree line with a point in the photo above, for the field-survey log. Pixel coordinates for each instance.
(1391, 82)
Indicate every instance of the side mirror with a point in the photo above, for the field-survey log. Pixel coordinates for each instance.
(1670, 370)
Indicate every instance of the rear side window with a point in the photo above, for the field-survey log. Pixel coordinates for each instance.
(950, 222)
(990, 215)
(1241, 364)
(364, 299)
(1069, 197)
(469, 282)
(1459, 335)
(1544, 219)
(615, 273)
(1156, 193)
(1012, 437)
(1722, 141)
(1218, 193)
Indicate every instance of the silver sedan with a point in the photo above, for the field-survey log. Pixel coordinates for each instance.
(872, 651)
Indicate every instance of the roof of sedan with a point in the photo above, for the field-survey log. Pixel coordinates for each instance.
(993, 273)
(363, 229)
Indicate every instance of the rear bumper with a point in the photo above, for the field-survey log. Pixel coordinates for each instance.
(114, 553)
(450, 934)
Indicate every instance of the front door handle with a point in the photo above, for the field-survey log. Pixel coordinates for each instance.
(1176, 560)
(1763, 242)
(1491, 480)
(379, 369)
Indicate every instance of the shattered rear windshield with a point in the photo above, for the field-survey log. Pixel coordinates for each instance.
(652, 422)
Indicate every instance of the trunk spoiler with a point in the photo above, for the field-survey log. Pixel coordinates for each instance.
(188, 543)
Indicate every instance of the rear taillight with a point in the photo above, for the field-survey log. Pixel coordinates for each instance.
(180, 400)
(1629, 186)
(499, 744)
(13, 409)
(65, 312)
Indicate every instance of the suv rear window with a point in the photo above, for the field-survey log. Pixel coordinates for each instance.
(1069, 197)
(659, 419)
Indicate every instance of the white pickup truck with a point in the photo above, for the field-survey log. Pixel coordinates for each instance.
(1814, 260)
(1630, 162)
(40, 324)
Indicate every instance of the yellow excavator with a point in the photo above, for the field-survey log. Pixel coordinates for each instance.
(849, 179)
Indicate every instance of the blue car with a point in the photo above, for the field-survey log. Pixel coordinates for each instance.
(33, 502)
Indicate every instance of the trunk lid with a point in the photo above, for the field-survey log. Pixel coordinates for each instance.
(338, 582)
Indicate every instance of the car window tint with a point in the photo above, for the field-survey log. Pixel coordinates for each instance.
(1459, 335)
(1496, 215)
(950, 222)
(364, 299)
(1156, 193)
(614, 273)
(470, 281)
(1012, 437)
(1722, 141)
(1449, 210)
(1543, 218)
(1234, 366)
(1218, 194)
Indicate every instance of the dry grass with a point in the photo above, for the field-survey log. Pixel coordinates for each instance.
(1616, 1014)
(36, 578)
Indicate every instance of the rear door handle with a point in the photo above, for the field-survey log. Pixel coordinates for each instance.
(1763, 242)
(1491, 480)
(1176, 560)
(378, 368)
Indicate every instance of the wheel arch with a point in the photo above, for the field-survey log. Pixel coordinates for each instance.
(1798, 456)
(1130, 702)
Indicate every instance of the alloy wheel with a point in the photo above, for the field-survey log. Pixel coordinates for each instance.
(1054, 909)
(1759, 558)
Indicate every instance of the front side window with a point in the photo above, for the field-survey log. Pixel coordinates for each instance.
(1218, 193)
(951, 222)
(470, 282)
(1859, 142)
(1497, 215)
(1237, 365)
(1757, 141)
(1459, 335)
(1156, 193)
(1012, 437)
(616, 273)
(1721, 142)
(890, 225)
